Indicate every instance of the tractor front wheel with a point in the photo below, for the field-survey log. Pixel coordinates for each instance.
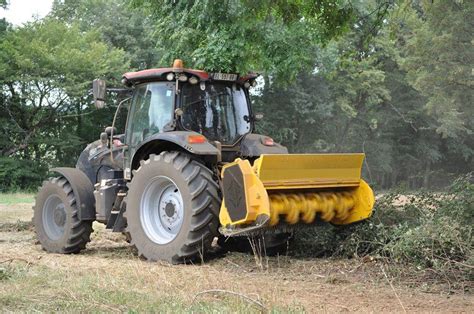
(56, 220)
(172, 208)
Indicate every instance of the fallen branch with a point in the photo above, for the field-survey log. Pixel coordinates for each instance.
(455, 262)
(391, 286)
(242, 296)
(15, 259)
(235, 264)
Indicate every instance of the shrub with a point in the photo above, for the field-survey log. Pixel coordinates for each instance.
(18, 174)
(443, 239)
(428, 230)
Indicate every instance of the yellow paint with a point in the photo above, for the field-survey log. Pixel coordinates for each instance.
(256, 197)
(305, 207)
(327, 186)
(364, 201)
(278, 172)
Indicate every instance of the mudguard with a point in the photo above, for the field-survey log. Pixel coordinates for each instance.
(160, 141)
(181, 138)
(83, 191)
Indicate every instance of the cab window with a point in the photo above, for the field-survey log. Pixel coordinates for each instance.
(151, 110)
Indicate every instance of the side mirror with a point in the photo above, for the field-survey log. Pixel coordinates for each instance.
(178, 112)
(98, 91)
(258, 117)
(109, 129)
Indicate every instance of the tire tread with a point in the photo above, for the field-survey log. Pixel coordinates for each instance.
(205, 202)
(80, 231)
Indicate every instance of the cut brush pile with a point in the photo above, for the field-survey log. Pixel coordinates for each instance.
(429, 231)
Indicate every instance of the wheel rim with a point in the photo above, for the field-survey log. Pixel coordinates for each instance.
(54, 217)
(161, 210)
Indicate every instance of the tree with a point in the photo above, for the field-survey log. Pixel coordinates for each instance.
(117, 24)
(295, 114)
(277, 37)
(439, 59)
(46, 69)
(435, 51)
(339, 76)
(3, 22)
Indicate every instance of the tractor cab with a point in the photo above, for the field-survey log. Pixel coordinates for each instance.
(216, 109)
(215, 105)
(207, 114)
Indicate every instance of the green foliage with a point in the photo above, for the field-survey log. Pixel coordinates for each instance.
(3, 22)
(59, 55)
(45, 72)
(360, 99)
(4, 274)
(278, 37)
(295, 114)
(17, 174)
(439, 60)
(444, 238)
(117, 25)
(339, 76)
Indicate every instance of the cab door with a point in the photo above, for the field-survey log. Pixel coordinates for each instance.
(151, 112)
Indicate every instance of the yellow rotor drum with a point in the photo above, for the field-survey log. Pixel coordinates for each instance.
(295, 189)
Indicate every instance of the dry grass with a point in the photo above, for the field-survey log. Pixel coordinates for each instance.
(16, 198)
(108, 276)
(10, 213)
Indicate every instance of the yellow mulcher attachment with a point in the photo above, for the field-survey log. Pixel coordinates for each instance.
(282, 190)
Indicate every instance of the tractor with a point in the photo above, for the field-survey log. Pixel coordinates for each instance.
(190, 170)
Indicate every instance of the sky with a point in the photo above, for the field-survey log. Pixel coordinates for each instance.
(21, 11)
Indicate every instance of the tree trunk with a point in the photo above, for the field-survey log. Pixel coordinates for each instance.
(426, 177)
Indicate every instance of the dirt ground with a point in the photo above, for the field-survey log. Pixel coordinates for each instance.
(108, 276)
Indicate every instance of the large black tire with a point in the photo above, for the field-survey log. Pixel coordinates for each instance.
(200, 208)
(56, 221)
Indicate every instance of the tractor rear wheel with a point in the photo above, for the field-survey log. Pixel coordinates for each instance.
(172, 208)
(56, 220)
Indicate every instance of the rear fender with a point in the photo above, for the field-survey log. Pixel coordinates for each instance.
(175, 140)
(83, 191)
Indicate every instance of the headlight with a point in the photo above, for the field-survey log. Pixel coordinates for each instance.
(193, 80)
(170, 76)
(182, 78)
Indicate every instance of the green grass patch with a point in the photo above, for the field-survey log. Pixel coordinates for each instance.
(16, 198)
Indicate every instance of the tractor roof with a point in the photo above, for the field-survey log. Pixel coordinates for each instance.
(160, 74)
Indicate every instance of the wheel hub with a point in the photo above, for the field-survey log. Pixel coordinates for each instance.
(169, 209)
(54, 217)
(161, 210)
(59, 215)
